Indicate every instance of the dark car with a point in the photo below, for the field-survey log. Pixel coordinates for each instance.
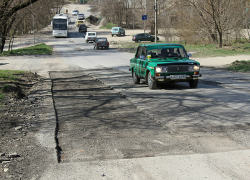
(82, 28)
(143, 37)
(101, 43)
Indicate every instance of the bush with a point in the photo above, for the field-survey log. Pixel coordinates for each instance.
(240, 66)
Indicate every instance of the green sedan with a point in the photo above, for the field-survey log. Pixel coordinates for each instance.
(163, 63)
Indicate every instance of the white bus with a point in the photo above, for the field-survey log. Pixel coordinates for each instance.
(60, 25)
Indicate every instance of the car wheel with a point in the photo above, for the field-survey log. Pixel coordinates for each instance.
(112, 35)
(193, 83)
(138, 41)
(152, 40)
(124, 34)
(136, 80)
(151, 83)
(107, 47)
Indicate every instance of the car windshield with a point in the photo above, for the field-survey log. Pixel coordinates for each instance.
(91, 34)
(115, 29)
(80, 21)
(165, 52)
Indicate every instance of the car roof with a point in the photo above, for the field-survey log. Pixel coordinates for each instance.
(142, 33)
(162, 44)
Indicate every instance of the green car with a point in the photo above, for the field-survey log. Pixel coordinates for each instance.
(163, 63)
(118, 31)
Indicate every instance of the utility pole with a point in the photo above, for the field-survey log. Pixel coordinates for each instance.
(155, 21)
(145, 13)
(134, 16)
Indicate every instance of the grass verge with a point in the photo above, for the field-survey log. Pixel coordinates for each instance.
(40, 49)
(242, 66)
(108, 26)
(8, 75)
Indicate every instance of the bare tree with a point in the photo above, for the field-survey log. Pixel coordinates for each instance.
(7, 9)
(214, 17)
(11, 9)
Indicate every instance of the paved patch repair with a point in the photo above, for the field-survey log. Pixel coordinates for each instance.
(96, 123)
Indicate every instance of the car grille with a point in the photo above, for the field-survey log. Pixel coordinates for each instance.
(177, 68)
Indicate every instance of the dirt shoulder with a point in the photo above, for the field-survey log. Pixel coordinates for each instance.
(22, 156)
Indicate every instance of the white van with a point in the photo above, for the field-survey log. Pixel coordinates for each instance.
(90, 36)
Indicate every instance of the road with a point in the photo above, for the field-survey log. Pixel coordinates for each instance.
(109, 128)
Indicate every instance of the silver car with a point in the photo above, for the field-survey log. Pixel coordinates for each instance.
(80, 16)
(75, 12)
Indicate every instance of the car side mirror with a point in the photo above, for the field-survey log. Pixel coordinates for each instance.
(142, 57)
(189, 55)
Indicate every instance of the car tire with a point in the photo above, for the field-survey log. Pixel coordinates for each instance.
(152, 84)
(136, 79)
(138, 41)
(107, 47)
(152, 40)
(112, 35)
(124, 34)
(193, 83)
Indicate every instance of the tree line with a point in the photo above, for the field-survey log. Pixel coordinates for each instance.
(195, 21)
(16, 16)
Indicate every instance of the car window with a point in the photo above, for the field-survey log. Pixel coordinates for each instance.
(138, 52)
(91, 34)
(144, 51)
(80, 21)
(154, 52)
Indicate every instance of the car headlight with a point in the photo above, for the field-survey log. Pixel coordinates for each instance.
(196, 68)
(193, 68)
(161, 69)
(158, 69)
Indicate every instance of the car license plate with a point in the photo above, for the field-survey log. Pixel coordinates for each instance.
(182, 76)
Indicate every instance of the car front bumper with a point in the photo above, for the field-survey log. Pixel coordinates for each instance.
(168, 78)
